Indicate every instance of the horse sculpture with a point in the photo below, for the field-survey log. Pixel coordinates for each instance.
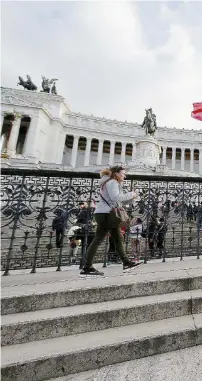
(46, 85)
(29, 85)
(149, 123)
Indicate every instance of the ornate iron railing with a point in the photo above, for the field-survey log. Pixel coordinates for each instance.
(31, 199)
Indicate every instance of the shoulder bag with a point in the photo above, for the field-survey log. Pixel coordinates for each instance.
(118, 217)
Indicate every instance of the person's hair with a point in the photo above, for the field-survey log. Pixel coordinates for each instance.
(111, 172)
(139, 221)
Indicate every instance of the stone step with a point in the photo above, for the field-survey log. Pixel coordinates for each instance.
(161, 367)
(58, 322)
(40, 296)
(52, 358)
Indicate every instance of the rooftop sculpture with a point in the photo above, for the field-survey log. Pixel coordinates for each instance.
(28, 84)
(48, 86)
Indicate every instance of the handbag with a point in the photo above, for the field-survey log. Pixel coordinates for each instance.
(118, 217)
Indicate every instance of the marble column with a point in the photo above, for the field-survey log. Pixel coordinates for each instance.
(191, 160)
(200, 162)
(2, 120)
(134, 152)
(100, 151)
(164, 155)
(60, 147)
(87, 153)
(111, 154)
(123, 153)
(32, 138)
(173, 157)
(13, 138)
(74, 151)
(182, 158)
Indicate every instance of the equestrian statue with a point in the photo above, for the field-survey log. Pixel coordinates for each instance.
(149, 123)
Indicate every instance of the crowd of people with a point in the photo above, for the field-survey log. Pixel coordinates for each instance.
(92, 226)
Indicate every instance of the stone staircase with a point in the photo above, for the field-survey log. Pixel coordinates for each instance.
(57, 324)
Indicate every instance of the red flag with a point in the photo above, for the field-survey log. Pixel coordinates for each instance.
(197, 113)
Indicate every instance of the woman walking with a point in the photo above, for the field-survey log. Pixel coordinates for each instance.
(111, 195)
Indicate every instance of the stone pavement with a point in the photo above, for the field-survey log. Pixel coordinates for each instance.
(70, 277)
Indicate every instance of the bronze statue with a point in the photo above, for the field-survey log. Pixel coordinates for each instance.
(53, 89)
(46, 84)
(29, 85)
(149, 123)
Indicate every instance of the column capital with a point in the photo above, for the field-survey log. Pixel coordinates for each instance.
(17, 115)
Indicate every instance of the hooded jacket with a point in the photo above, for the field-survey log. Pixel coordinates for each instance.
(113, 193)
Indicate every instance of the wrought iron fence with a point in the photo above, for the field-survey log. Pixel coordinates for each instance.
(170, 210)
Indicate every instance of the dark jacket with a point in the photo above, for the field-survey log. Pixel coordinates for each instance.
(85, 216)
(162, 229)
(60, 222)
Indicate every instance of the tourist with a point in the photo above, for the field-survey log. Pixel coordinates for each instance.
(162, 229)
(112, 256)
(152, 230)
(74, 244)
(85, 233)
(59, 225)
(189, 213)
(199, 217)
(194, 210)
(111, 195)
(136, 229)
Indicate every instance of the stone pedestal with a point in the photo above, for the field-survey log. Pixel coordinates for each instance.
(147, 154)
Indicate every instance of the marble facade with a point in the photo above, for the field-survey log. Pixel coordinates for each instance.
(40, 129)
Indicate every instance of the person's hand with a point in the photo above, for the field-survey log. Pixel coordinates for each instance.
(135, 195)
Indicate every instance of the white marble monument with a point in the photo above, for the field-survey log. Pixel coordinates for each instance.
(39, 130)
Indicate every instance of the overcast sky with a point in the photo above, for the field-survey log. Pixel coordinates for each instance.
(112, 59)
